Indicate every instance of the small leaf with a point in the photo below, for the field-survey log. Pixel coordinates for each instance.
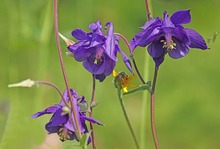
(84, 140)
(146, 86)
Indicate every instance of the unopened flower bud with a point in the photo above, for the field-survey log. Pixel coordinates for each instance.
(68, 41)
(25, 83)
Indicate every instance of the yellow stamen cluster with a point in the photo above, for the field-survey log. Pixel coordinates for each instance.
(168, 45)
(64, 134)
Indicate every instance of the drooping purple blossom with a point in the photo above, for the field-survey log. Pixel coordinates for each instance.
(60, 121)
(97, 51)
(168, 36)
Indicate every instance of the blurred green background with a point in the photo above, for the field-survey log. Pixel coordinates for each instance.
(187, 92)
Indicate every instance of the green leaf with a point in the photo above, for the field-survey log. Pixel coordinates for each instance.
(84, 140)
(146, 86)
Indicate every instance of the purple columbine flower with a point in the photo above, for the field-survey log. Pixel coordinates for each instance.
(98, 51)
(60, 122)
(168, 36)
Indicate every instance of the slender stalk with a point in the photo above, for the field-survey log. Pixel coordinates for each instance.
(152, 114)
(132, 56)
(148, 10)
(127, 119)
(90, 113)
(75, 119)
(137, 70)
(144, 113)
(55, 87)
(126, 42)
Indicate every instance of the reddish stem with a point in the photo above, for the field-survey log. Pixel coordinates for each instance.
(148, 10)
(76, 124)
(152, 114)
(55, 87)
(90, 113)
(132, 56)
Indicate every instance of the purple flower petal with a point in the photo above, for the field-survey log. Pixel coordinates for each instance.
(79, 34)
(96, 28)
(181, 35)
(197, 41)
(48, 110)
(100, 77)
(57, 120)
(96, 40)
(92, 120)
(125, 59)
(152, 23)
(74, 47)
(167, 23)
(109, 65)
(179, 51)
(110, 42)
(181, 17)
(92, 67)
(155, 49)
(159, 60)
(146, 36)
(82, 54)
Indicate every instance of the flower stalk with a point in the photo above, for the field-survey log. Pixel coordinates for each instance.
(55, 87)
(90, 112)
(132, 56)
(74, 119)
(127, 119)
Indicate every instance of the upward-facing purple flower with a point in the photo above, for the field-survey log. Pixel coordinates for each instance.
(168, 36)
(97, 51)
(60, 122)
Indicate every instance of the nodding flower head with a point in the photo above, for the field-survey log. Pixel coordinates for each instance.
(60, 121)
(168, 35)
(97, 51)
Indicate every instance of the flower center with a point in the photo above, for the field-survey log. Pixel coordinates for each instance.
(169, 44)
(98, 56)
(64, 134)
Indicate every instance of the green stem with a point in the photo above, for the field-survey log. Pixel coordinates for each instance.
(144, 120)
(127, 119)
(144, 116)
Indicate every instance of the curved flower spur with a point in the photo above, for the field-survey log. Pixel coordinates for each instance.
(168, 36)
(97, 51)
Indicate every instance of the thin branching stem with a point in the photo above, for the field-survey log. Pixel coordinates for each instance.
(132, 56)
(55, 87)
(75, 119)
(127, 119)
